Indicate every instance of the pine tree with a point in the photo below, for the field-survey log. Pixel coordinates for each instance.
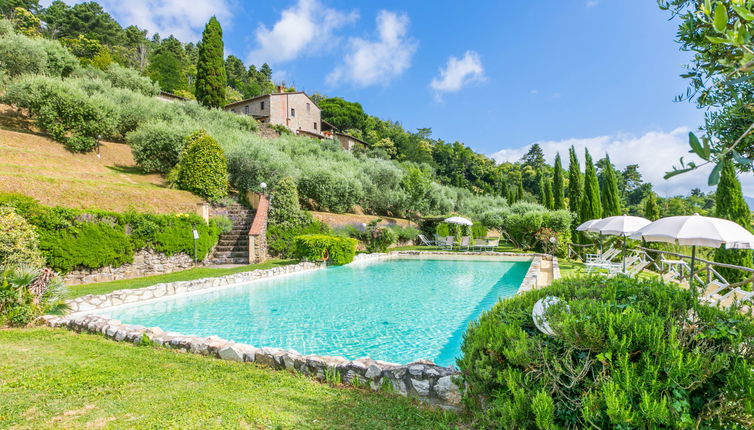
(591, 206)
(651, 210)
(549, 203)
(210, 68)
(610, 194)
(575, 184)
(730, 204)
(558, 196)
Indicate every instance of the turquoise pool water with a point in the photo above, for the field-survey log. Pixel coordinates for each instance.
(397, 310)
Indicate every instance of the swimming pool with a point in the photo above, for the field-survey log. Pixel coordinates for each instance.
(396, 310)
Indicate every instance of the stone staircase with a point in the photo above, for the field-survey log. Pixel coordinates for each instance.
(233, 247)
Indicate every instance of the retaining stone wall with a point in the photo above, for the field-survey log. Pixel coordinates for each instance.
(146, 263)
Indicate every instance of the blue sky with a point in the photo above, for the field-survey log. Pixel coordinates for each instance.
(496, 75)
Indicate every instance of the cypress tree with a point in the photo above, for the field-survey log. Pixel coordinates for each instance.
(558, 197)
(509, 195)
(520, 190)
(610, 193)
(549, 203)
(541, 189)
(575, 184)
(651, 210)
(730, 204)
(591, 206)
(210, 68)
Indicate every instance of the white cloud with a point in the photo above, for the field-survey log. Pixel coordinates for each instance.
(654, 152)
(184, 20)
(459, 73)
(371, 62)
(592, 3)
(302, 27)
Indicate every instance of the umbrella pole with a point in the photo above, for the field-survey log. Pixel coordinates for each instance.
(600, 243)
(624, 254)
(691, 276)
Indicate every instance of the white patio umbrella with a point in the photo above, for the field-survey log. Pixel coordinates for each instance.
(458, 220)
(621, 225)
(697, 230)
(587, 226)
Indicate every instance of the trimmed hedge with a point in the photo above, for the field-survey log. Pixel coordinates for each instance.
(203, 169)
(627, 354)
(317, 247)
(71, 239)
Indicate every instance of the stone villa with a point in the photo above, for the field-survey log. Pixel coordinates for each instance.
(294, 110)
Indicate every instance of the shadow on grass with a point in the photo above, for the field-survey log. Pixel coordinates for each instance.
(129, 170)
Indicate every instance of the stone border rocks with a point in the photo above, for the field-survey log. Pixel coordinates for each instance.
(120, 297)
(421, 379)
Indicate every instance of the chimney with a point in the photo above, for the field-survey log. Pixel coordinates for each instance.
(281, 88)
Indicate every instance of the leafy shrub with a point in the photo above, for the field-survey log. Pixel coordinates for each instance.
(6, 28)
(405, 234)
(478, 231)
(70, 238)
(90, 245)
(18, 240)
(123, 77)
(331, 190)
(157, 145)
(203, 169)
(60, 110)
(521, 221)
(627, 354)
(27, 292)
(377, 238)
(287, 220)
(78, 143)
(223, 223)
(318, 247)
(20, 54)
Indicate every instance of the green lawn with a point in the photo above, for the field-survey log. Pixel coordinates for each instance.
(185, 275)
(54, 378)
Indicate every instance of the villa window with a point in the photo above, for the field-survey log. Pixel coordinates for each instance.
(315, 125)
(293, 112)
(261, 105)
(246, 109)
(307, 107)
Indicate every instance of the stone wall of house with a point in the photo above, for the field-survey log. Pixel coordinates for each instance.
(146, 263)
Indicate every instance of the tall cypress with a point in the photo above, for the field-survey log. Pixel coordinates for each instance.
(610, 194)
(591, 206)
(211, 79)
(575, 184)
(730, 204)
(549, 203)
(651, 209)
(558, 195)
(541, 188)
(520, 190)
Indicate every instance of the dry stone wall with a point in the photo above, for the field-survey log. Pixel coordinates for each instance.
(146, 263)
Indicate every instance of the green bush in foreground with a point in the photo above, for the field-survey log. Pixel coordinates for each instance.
(627, 354)
(18, 240)
(317, 247)
(27, 292)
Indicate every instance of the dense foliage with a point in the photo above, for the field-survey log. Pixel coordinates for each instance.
(591, 204)
(286, 220)
(731, 205)
(18, 240)
(626, 354)
(27, 292)
(203, 169)
(335, 250)
(210, 69)
(521, 222)
(69, 238)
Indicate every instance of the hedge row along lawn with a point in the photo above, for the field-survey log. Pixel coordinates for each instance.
(53, 378)
(184, 275)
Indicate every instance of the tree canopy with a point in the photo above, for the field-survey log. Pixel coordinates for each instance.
(210, 68)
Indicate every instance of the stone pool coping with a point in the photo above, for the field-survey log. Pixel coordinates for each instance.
(422, 379)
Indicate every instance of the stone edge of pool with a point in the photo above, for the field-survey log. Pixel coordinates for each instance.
(422, 379)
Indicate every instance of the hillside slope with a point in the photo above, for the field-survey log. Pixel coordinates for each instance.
(35, 166)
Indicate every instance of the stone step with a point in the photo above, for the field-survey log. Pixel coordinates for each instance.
(230, 261)
(234, 247)
(231, 254)
(232, 242)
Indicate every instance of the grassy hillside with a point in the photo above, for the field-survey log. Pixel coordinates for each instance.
(33, 165)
